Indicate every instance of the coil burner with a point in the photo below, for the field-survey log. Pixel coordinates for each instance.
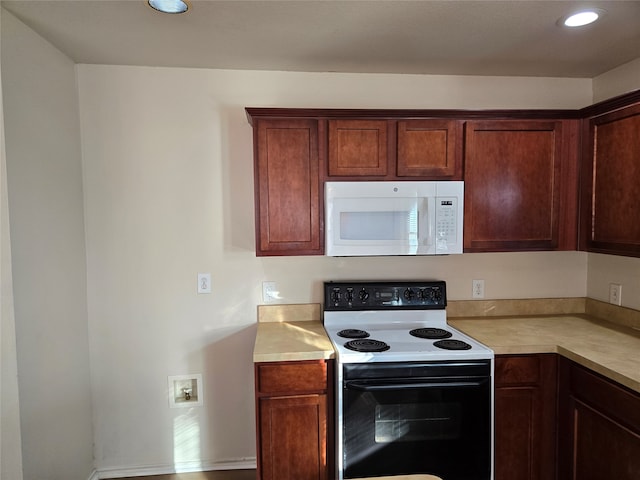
(452, 345)
(353, 333)
(367, 345)
(430, 333)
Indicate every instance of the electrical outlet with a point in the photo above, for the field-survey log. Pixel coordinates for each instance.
(615, 293)
(477, 288)
(204, 283)
(269, 292)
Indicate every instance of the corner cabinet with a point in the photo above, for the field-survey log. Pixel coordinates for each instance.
(288, 190)
(525, 417)
(292, 411)
(611, 184)
(600, 427)
(521, 185)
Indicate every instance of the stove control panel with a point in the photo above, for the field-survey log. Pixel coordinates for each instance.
(416, 295)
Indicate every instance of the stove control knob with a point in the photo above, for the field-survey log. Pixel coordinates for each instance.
(363, 295)
(409, 294)
(436, 295)
(335, 296)
(349, 296)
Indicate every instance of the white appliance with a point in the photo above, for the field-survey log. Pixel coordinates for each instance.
(393, 218)
(413, 394)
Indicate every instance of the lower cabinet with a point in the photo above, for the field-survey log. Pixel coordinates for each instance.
(599, 428)
(292, 411)
(525, 417)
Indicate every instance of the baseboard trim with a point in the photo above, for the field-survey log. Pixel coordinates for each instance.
(182, 467)
(94, 475)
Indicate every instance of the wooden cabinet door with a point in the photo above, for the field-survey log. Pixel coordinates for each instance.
(358, 148)
(292, 415)
(429, 148)
(525, 417)
(611, 185)
(288, 190)
(516, 184)
(293, 435)
(600, 427)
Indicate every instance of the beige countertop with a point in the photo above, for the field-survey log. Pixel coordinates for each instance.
(296, 333)
(281, 341)
(608, 349)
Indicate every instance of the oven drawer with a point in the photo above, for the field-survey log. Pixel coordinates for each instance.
(291, 377)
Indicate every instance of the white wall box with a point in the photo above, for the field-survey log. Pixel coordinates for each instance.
(185, 390)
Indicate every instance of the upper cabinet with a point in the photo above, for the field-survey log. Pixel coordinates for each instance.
(520, 185)
(358, 148)
(288, 197)
(429, 148)
(523, 184)
(395, 149)
(611, 183)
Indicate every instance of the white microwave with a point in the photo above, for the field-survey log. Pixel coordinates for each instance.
(393, 218)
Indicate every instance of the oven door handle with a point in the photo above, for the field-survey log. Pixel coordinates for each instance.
(378, 387)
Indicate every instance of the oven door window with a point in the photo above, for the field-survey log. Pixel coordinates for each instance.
(442, 427)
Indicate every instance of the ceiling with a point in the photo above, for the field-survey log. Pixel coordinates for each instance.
(481, 37)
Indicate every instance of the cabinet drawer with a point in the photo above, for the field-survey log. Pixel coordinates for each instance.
(291, 377)
(517, 370)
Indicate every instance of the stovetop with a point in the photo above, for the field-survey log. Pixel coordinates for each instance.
(383, 318)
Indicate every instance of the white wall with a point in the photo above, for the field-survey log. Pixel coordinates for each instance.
(10, 437)
(606, 269)
(168, 183)
(48, 255)
(623, 79)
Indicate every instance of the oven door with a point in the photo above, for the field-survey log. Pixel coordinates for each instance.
(439, 424)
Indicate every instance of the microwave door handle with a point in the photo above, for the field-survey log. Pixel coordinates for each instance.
(424, 223)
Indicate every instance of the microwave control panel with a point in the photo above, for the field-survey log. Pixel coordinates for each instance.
(446, 219)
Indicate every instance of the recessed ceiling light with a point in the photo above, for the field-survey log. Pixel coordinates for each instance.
(169, 6)
(584, 17)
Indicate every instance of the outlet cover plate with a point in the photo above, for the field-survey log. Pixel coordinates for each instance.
(269, 292)
(615, 294)
(477, 288)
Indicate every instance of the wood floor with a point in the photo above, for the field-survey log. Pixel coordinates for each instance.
(213, 475)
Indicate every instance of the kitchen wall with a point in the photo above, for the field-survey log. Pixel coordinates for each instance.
(168, 192)
(10, 438)
(168, 189)
(625, 78)
(42, 135)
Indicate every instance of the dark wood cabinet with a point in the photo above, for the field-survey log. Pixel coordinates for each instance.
(429, 148)
(288, 190)
(600, 427)
(521, 178)
(358, 148)
(525, 417)
(292, 411)
(520, 185)
(395, 149)
(611, 184)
